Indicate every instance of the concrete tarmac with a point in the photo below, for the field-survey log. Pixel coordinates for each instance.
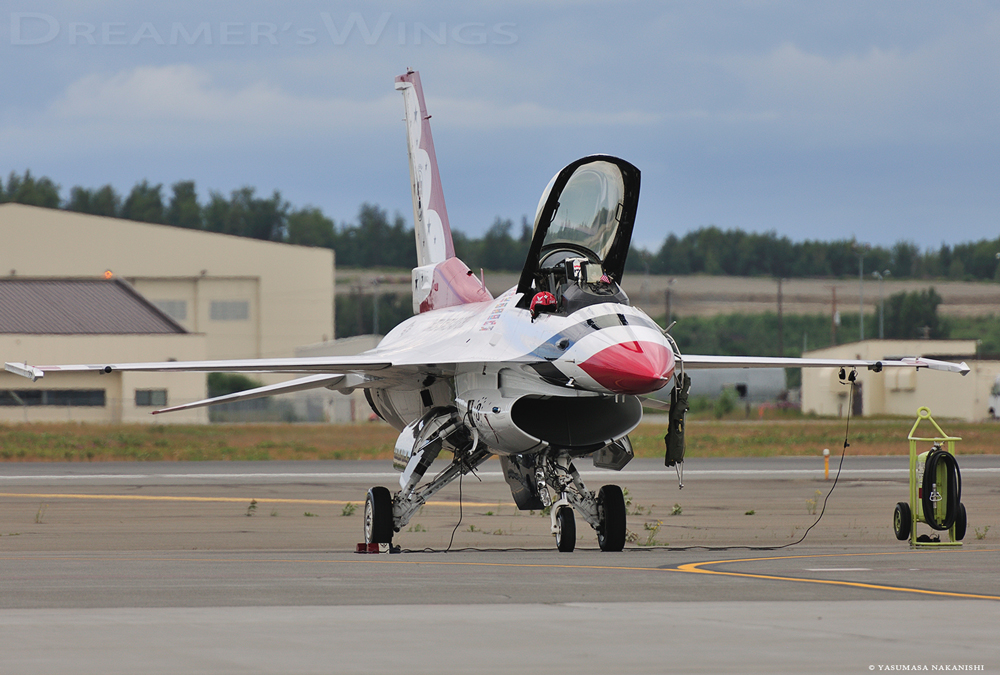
(249, 567)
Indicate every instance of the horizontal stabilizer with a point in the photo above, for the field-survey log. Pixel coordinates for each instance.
(298, 384)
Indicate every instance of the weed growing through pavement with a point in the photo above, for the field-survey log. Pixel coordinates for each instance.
(40, 515)
(631, 508)
(653, 529)
(252, 509)
(677, 510)
(981, 534)
(349, 509)
(417, 528)
(750, 512)
(811, 504)
(274, 512)
(308, 514)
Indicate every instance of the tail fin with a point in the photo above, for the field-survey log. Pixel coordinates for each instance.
(430, 217)
(440, 279)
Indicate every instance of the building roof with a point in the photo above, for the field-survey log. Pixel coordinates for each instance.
(78, 307)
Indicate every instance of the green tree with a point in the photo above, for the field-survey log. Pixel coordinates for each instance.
(309, 227)
(102, 202)
(184, 210)
(374, 242)
(220, 384)
(144, 203)
(245, 215)
(914, 315)
(28, 190)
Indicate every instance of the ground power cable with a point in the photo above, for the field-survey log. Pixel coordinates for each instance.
(847, 432)
(851, 381)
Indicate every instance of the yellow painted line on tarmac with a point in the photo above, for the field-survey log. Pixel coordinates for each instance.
(261, 500)
(690, 568)
(697, 568)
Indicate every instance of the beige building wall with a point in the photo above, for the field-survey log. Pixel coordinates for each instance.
(120, 388)
(251, 299)
(901, 391)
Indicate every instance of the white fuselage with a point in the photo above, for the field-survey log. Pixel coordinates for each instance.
(518, 375)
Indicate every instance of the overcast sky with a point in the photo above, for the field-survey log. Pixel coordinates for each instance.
(875, 120)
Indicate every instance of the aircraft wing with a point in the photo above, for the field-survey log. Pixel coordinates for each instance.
(694, 361)
(311, 365)
(331, 372)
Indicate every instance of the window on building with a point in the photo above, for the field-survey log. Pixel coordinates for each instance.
(229, 310)
(175, 309)
(150, 397)
(89, 398)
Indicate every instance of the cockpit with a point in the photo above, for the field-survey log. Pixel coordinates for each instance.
(583, 228)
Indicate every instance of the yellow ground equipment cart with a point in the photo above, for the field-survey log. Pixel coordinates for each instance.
(935, 490)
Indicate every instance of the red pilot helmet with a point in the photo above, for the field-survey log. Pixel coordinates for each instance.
(542, 302)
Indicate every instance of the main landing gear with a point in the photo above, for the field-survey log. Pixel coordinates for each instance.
(605, 511)
(533, 479)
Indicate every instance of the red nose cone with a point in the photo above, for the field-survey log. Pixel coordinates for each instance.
(631, 367)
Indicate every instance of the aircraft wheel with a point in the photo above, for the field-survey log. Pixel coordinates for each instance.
(611, 515)
(961, 523)
(378, 516)
(565, 529)
(902, 520)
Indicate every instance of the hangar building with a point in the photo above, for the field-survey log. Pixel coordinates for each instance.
(901, 391)
(245, 298)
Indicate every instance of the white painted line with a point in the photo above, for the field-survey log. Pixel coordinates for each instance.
(838, 569)
(493, 475)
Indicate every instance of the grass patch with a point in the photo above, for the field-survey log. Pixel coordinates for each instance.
(74, 442)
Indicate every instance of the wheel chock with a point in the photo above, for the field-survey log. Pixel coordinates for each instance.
(376, 548)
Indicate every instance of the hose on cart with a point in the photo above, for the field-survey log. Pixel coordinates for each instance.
(936, 457)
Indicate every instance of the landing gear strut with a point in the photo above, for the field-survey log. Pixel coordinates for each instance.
(605, 511)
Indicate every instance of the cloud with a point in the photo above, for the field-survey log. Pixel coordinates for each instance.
(180, 105)
(932, 91)
(184, 96)
(480, 114)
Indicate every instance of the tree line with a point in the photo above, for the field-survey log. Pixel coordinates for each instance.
(376, 240)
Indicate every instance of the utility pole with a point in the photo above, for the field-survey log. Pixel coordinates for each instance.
(833, 318)
(861, 290)
(670, 301)
(781, 333)
(881, 302)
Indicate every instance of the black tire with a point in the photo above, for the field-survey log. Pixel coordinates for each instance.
(565, 529)
(378, 516)
(611, 518)
(961, 523)
(902, 521)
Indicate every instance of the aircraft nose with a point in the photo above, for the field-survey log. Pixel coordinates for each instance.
(631, 367)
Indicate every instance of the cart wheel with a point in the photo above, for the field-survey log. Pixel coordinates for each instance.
(961, 523)
(902, 520)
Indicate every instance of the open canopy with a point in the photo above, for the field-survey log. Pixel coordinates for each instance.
(587, 211)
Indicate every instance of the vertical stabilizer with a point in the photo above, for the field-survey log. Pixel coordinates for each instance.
(430, 218)
(439, 279)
